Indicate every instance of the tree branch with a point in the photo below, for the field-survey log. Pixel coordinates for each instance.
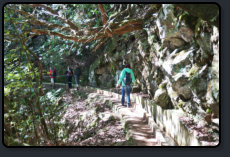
(103, 13)
(55, 14)
(35, 21)
(43, 32)
(129, 26)
(80, 40)
(110, 27)
(100, 44)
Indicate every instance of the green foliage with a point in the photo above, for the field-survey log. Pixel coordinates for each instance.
(113, 68)
(24, 105)
(79, 94)
(208, 111)
(129, 142)
(198, 27)
(20, 93)
(111, 118)
(20, 112)
(162, 85)
(95, 122)
(53, 112)
(181, 104)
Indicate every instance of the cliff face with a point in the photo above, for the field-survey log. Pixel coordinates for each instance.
(175, 59)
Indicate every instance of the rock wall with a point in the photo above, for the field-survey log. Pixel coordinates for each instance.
(175, 59)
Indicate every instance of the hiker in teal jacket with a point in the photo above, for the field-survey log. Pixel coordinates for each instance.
(126, 77)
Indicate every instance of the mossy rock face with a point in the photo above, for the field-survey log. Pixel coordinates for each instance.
(182, 87)
(173, 43)
(212, 97)
(189, 20)
(193, 71)
(99, 108)
(181, 104)
(198, 81)
(95, 122)
(215, 109)
(159, 76)
(166, 21)
(95, 64)
(112, 118)
(181, 61)
(190, 108)
(200, 86)
(163, 85)
(204, 41)
(215, 90)
(161, 98)
(173, 96)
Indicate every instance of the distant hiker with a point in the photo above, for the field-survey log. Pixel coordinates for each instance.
(77, 74)
(126, 77)
(69, 74)
(52, 74)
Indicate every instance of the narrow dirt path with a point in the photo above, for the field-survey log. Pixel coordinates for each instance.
(101, 120)
(136, 125)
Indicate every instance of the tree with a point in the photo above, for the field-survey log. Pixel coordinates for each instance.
(64, 21)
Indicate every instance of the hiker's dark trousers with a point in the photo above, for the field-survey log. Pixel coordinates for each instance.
(69, 81)
(127, 90)
(76, 79)
(70, 84)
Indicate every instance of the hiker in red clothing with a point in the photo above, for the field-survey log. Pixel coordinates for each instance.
(52, 74)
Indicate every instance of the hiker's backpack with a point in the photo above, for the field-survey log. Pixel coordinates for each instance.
(54, 74)
(69, 73)
(77, 71)
(127, 79)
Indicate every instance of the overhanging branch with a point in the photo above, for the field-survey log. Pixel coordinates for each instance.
(111, 26)
(55, 14)
(103, 13)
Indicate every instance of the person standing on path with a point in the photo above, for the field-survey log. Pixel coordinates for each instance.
(126, 77)
(52, 74)
(69, 74)
(77, 74)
